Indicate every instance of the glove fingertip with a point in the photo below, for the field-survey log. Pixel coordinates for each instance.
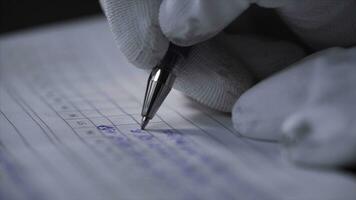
(178, 23)
(318, 136)
(186, 22)
(136, 30)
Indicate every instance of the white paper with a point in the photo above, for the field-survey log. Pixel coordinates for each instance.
(69, 112)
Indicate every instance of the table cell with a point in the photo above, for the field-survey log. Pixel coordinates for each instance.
(80, 123)
(70, 115)
(123, 119)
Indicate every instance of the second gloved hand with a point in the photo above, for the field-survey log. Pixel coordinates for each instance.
(309, 107)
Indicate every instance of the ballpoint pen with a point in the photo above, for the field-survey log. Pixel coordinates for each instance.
(160, 82)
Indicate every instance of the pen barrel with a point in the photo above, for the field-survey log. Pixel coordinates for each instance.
(159, 85)
(161, 80)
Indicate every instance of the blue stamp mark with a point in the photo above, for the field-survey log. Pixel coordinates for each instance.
(106, 129)
(142, 135)
(168, 132)
(122, 142)
(136, 131)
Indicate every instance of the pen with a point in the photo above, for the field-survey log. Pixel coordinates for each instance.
(160, 82)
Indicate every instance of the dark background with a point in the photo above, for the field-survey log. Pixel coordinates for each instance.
(23, 14)
(16, 15)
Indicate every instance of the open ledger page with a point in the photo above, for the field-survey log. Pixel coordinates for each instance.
(69, 129)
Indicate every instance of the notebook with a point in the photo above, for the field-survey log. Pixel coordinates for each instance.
(70, 108)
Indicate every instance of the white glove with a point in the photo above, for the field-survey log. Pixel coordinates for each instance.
(216, 72)
(298, 97)
(318, 23)
(310, 107)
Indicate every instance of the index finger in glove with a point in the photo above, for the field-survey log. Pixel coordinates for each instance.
(187, 22)
(135, 26)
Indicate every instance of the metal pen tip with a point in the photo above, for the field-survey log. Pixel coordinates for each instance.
(144, 122)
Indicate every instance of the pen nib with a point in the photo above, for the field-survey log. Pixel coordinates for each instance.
(144, 122)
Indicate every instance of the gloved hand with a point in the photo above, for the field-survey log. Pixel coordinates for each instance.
(221, 67)
(310, 107)
(217, 71)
